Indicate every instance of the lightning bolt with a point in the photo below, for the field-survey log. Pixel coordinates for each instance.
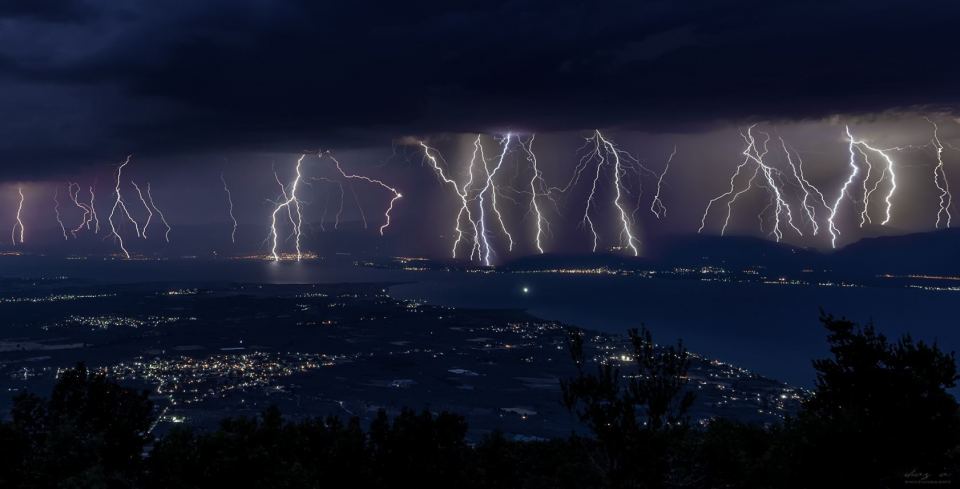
(56, 211)
(166, 235)
(889, 172)
(939, 174)
(768, 172)
(462, 191)
(350, 176)
(600, 156)
(854, 170)
(536, 179)
(226, 189)
(19, 223)
(756, 153)
(656, 206)
(119, 204)
(73, 189)
(289, 200)
(805, 186)
(93, 212)
(491, 187)
(143, 232)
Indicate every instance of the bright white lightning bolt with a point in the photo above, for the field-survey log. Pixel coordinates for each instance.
(889, 172)
(289, 200)
(143, 232)
(56, 211)
(166, 235)
(490, 186)
(656, 205)
(93, 211)
(768, 172)
(463, 193)
(535, 179)
(854, 170)
(946, 198)
(755, 153)
(396, 194)
(89, 214)
(603, 151)
(19, 223)
(118, 203)
(226, 189)
(805, 186)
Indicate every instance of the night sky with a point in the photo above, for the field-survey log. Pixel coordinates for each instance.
(243, 87)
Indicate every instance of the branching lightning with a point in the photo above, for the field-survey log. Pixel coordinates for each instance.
(492, 189)
(854, 170)
(119, 204)
(605, 153)
(350, 176)
(290, 202)
(940, 180)
(772, 177)
(143, 232)
(166, 234)
(56, 211)
(433, 157)
(19, 224)
(537, 189)
(656, 205)
(226, 189)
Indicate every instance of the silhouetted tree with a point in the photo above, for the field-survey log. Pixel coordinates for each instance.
(636, 417)
(420, 450)
(91, 432)
(880, 410)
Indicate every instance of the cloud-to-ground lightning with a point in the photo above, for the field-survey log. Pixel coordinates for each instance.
(89, 210)
(756, 153)
(233, 218)
(118, 203)
(889, 173)
(940, 180)
(143, 232)
(289, 201)
(463, 192)
(605, 153)
(18, 225)
(656, 205)
(806, 187)
(536, 190)
(163, 219)
(854, 171)
(56, 211)
(490, 187)
(351, 176)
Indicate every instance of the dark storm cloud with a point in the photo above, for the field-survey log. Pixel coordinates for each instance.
(234, 75)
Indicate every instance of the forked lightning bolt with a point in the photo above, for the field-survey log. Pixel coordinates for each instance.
(119, 204)
(19, 224)
(537, 190)
(656, 205)
(940, 180)
(350, 176)
(289, 201)
(433, 157)
(166, 234)
(226, 189)
(143, 232)
(56, 211)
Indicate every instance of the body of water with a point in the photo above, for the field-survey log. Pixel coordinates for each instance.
(770, 329)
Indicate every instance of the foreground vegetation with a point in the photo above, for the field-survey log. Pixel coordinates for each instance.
(881, 416)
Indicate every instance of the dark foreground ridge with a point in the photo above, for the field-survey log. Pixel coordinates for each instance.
(880, 417)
